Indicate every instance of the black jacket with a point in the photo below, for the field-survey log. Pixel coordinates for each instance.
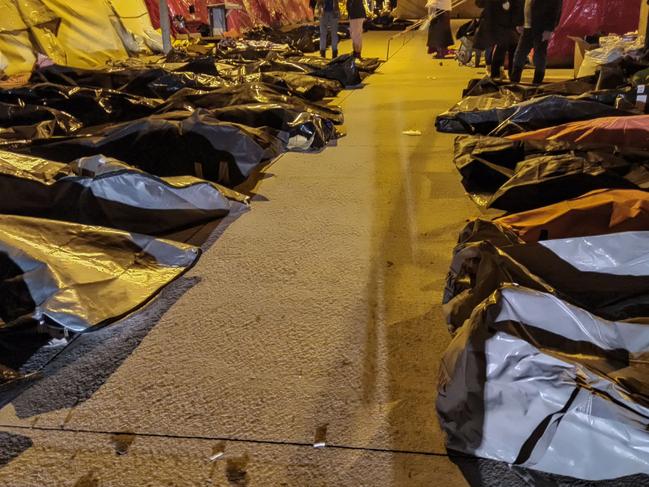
(319, 4)
(356, 9)
(546, 14)
(497, 25)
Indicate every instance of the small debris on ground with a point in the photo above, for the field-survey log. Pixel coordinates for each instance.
(218, 451)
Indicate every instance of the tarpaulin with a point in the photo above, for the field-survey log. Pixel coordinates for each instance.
(588, 17)
(133, 24)
(58, 275)
(304, 38)
(15, 43)
(104, 192)
(305, 86)
(622, 131)
(518, 92)
(177, 144)
(300, 130)
(342, 69)
(247, 93)
(566, 268)
(88, 34)
(522, 175)
(536, 382)
(152, 82)
(521, 117)
(277, 100)
(87, 105)
(595, 213)
(21, 121)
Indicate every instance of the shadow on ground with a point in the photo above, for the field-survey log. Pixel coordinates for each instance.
(12, 446)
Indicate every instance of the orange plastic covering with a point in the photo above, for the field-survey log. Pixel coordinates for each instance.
(242, 14)
(596, 213)
(623, 131)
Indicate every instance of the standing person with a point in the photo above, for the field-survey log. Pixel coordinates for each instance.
(357, 16)
(440, 36)
(540, 19)
(329, 15)
(497, 31)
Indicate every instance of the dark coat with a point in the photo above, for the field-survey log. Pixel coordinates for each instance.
(356, 9)
(546, 14)
(319, 4)
(440, 36)
(497, 25)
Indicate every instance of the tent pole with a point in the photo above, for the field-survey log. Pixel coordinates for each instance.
(644, 21)
(165, 26)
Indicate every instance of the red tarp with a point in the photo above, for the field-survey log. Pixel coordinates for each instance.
(620, 131)
(587, 17)
(599, 212)
(242, 14)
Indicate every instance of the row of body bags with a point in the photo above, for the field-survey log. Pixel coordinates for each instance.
(503, 110)
(84, 244)
(548, 365)
(216, 117)
(549, 304)
(104, 173)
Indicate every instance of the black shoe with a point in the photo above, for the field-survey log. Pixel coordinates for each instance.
(357, 55)
(334, 54)
(323, 53)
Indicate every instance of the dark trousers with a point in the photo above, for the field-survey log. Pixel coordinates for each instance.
(489, 55)
(531, 38)
(500, 52)
(329, 24)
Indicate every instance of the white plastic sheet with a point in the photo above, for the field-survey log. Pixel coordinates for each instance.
(537, 382)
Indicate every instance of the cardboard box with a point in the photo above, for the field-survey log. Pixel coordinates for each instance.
(581, 47)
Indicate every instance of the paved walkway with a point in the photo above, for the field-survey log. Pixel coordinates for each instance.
(314, 317)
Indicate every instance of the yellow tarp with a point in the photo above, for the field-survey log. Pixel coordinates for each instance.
(84, 34)
(134, 16)
(16, 47)
(15, 44)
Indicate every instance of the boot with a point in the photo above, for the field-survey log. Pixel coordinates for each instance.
(539, 75)
(357, 54)
(323, 53)
(334, 53)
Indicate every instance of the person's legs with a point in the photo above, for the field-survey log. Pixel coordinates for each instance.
(511, 52)
(525, 44)
(356, 31)
(478, 57)
(540, 58)
(324, 26)
(334, 35)
(431, 37)
(498, 60)
(488, 56)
